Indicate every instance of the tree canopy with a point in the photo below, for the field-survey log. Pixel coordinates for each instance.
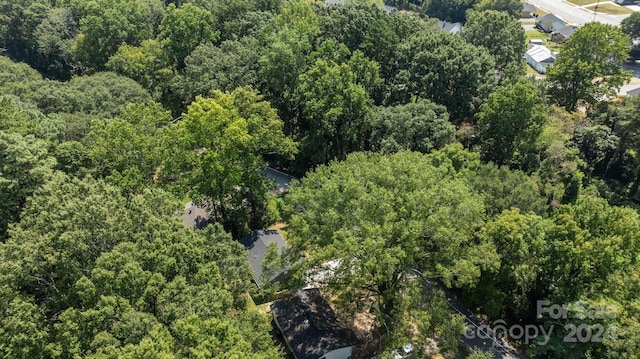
(589, 68)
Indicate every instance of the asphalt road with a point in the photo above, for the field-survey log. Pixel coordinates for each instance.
(575, 14)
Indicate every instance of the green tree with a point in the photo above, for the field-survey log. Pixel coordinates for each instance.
(504, 188)
(18, 21)
(589, 67)
(520, 240)
(127, 149)
(351, 23)
(148, 64)
(448, 10)
(336, 107)
(55, 36)
(287, 41)
(446, 70)
(88, 273)
(510, 122)
(218, 147)
(502, 35)
(110, 23)
(631, 26)
(183, 29)
(226, 67)
(102, 94)
(26, 165)
(623, 165)
(379, 218)
(20, 118)
(511, 7)
(421, 126)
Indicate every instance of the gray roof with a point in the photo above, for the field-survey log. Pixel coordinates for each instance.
(540, 53)
(279, 179)
(451, 27)
(309, 325)
(528, 7)
(550, 22)
(566, 31)
(256, 244)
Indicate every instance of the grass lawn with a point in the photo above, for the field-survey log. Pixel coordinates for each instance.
(611, 9)
(541, 12)
(535, 34)
(582, 2)
(530, 71)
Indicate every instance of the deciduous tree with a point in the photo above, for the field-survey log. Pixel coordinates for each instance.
(502, 35)
(510, 122)
(381, 218)
(589, 67)
(445, 69)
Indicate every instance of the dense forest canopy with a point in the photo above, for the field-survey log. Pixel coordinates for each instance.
(422, 156)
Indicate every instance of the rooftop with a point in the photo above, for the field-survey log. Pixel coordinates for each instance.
(256, 244)
(309, 325)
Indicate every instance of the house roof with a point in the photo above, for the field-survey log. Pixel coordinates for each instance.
(280, 179)
(550, 22)
(540, 53)
(549, 18)
(566, 31)
(256, 243)
(451, 27)
(309, 325)
(529, 7)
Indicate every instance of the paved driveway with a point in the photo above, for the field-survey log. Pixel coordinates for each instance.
(575, 14)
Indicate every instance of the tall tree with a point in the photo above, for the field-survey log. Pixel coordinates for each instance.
(449, 10)
(148, 64)
(589, 67)
(127, 149)
(110, 23)
(337, 108)
(445, 69)
(226, 67)
(25, 166)
(55, 36)
(421, 126)
(510, 122)
(184, 28)
(215, 152)
(631, 25)
(382, 219)
(502, 35)
(511, 7)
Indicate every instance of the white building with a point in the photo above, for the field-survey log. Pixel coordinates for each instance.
(539, 57)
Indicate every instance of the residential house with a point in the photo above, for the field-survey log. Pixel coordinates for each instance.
(280, 180)
(539, 57)
(562, 35)
(529, 11)
(450, 27)
(256, 244)
(550, 23)
(310, 327)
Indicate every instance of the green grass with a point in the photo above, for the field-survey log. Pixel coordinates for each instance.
(535, 34)
(540, 12)
(582, 2)
(611, 9)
